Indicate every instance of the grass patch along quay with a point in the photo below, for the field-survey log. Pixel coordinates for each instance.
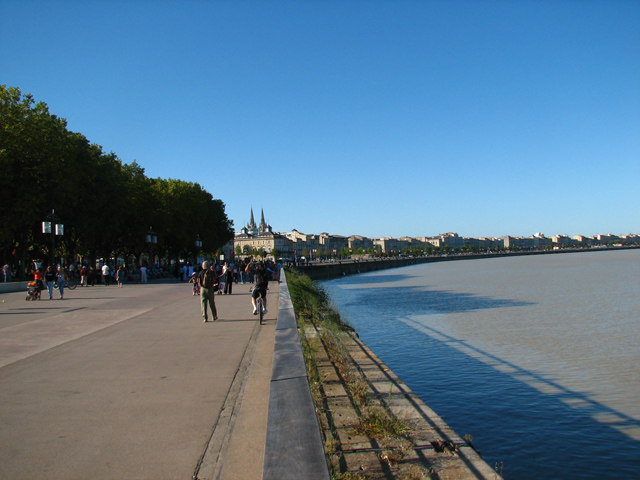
(373, 425)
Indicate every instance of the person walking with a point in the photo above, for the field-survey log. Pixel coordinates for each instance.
(241, 271)
(62, 281)
(120, 276)
(49, 279)
(183, 272)
(227, 271)
(143, 274)
(218, 270)
(7, 272)
(106, 274)
(208, 284)
(83, 276)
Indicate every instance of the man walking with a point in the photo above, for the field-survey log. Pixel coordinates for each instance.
(7, 273)
(143, 274)
(106, 274)
(208, 285)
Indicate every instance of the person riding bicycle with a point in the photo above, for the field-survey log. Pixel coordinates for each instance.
(261, 276)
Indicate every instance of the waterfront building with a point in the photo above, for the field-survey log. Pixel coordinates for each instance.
(451, 239)
(539, 240)
(333, 244)
(607, 237)
(296, 244)
(358, 241)
(389, 245)
(303, 244)
(483, 242)
(413, 243)
(386, 244)
(260, 238)
(631, 238)
(518, 242)
(581, 239)
(562, 240)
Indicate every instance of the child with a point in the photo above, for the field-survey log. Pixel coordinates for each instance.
(38, 277)
(196, 283)
(120, 276)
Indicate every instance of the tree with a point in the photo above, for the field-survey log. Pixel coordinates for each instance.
(106, 206)
(32, 142)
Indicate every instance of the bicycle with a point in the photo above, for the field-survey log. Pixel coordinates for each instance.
(71, 283)
(260, 309)
(259, 305)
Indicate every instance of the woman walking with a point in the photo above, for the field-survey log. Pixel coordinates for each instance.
(227, 272)
(50, 278)
(62, 281)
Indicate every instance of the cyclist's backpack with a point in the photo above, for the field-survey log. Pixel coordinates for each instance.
(262, 278)
(208, 279)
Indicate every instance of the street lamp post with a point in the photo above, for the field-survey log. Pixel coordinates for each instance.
(198, 244)
(151, 238)
(48, 227)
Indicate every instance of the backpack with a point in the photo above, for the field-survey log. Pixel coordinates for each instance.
(262, 278)
(208, 279)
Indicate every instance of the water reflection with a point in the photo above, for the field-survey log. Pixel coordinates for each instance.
(538, 428)
(366, 281)
(408, 300)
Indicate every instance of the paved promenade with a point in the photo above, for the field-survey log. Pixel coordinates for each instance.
(116, 383)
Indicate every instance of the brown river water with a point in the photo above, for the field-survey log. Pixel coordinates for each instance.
(536, 357)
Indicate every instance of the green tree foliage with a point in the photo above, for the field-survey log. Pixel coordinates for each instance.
(184, 211)
(106, 206)
(32, 142)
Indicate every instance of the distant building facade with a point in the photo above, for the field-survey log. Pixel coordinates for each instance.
(260, 237)
(295, 244)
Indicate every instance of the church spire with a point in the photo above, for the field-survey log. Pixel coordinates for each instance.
(263, 224)
(252, 222)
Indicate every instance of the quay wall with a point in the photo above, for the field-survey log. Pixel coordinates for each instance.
(336, 269)
(294, 447)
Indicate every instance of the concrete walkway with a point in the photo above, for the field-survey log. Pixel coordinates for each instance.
(116, 383)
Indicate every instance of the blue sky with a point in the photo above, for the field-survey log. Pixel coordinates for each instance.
(375, 118)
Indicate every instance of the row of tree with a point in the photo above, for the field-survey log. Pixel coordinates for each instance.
(106, 207)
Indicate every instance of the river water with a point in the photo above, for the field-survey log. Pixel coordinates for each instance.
(536, 357)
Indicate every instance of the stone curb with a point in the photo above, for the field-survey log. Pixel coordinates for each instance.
(294, 448)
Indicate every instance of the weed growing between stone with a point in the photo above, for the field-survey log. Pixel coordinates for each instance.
(375, 422)
(363, 439)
